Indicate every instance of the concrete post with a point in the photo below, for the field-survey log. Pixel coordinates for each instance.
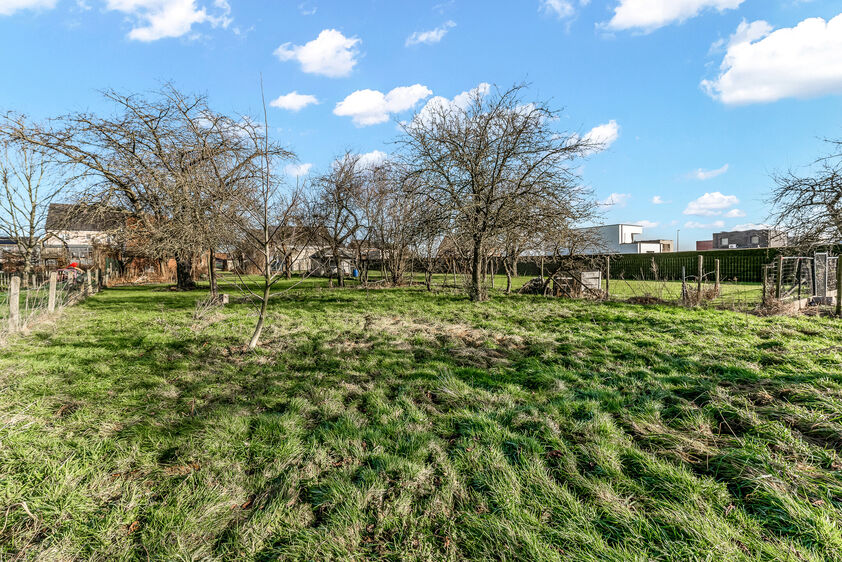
(51, 303)
(14, 304)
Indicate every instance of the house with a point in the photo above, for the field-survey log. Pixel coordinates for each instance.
(622, 239)
(76, 231)
(324, 263)
(704, 245)
(755, 238)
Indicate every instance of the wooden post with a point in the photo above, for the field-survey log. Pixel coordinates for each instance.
(780, 277)
(699, 280)
(716, 287)
(683, 284)
(51, 302)
(14, 303)
(839, 286)
(607, 276)
(88, 282)
(765, 284)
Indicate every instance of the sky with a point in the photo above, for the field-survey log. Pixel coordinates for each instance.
(696, 102)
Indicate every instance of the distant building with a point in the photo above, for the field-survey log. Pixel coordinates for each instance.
(704, 245)
(622, 239)
(76, 231)
(760, 238)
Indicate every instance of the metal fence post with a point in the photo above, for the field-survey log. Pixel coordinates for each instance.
(699, 280)
(14, 304)
(51, 302)
(780, 277)
(607, 276)
(838, 286)
(683, 285)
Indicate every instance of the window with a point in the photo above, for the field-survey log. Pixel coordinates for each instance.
(723, 242)
(755, 239)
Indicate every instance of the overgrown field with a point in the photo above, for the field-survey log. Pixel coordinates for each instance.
(396, 424)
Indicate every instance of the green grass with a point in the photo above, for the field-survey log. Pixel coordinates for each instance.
(402, 425)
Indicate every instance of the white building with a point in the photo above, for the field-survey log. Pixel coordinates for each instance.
(622, 239)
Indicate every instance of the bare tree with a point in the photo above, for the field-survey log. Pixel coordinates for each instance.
(809, 207)
(168, 161)
(30, 183)
(495, 162)
(335, 209)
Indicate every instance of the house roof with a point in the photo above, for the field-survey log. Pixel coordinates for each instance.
(68, 216)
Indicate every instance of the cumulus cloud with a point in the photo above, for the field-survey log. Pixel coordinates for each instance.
(616, 200)
(763, 66)
(703, 175)
(9, 7)
(647, 224)
(160, 19)
(373, 158)
(330, 54)
(708, 226)
(370, 107)
(460, 101)
(603, 136)
(658, 200)
(294, 101)
(297, 170)
(735, 214)
(710, 204)
(430, 37)
(649, 15)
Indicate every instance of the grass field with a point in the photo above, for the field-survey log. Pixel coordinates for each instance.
(397, 424)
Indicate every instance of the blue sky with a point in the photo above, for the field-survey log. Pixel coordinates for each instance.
(698, 101)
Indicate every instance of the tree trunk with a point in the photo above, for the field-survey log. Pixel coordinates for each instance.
(428, 279)
(508, 269)
(184, 274)
(476, 290)
(261, 318)
(214, 290)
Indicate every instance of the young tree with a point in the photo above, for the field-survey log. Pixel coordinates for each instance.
(809, 207)
(494, 163)
(30, 182)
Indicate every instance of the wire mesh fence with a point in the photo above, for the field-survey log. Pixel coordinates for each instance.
(26, 297)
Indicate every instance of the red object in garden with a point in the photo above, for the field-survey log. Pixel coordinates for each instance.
(74, 264)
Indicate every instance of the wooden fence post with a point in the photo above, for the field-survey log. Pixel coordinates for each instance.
(14, 303)
(683, 285)
(780, 277)
(716, 287)
(765, 289)
(88, 282)
(839, 286)
(699, 280)
(51, 302)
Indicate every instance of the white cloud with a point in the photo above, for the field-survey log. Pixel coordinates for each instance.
(460, 101)
(297, 170)
(616, 200)
(370, 107)
(160, 19)
(735, 214)
(603, 135)
(708, 226)
(431, 36)
(647, 224)
(703, 175)
(649, 15)
(751, 226)
(307, 8)
(9, 7)
(294, 101)
(373, 158)
(762, 65)
(330, 54)
(658, 200)
(710, 204)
